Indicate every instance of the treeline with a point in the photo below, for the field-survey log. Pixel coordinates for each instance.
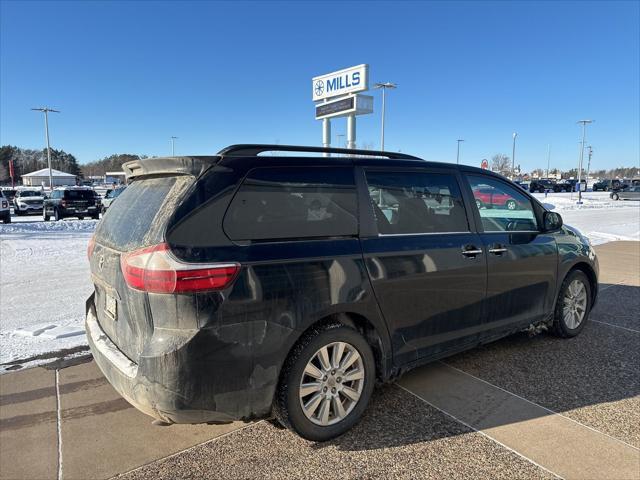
(26, 161)
(112, 163)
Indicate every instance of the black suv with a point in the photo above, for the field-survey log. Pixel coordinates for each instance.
(241, 285)
(542, 185)
(71, 202)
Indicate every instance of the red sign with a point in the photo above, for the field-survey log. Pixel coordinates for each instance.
(484, 164)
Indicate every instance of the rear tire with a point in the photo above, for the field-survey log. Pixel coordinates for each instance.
(511, 205)
(572, 306)
(615, 196)
(45, 217)
(96, 216)
(339, 403)
(56, 215)
(7, 219)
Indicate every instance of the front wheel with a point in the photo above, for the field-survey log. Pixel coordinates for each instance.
(615, 196)
(326, 383)
(573, 305)
(511, 205)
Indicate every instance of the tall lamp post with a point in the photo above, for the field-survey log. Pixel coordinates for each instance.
(46, 111)
(384, 87)
(584, 131)
(173, 146)
(458, 154)
(513, 156)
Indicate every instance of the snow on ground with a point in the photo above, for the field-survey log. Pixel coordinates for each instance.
(599, 218)
(44, 280)
(44, 273)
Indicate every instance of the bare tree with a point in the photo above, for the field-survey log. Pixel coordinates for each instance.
(501, 163)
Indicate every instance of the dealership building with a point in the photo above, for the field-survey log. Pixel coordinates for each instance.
(41, 178)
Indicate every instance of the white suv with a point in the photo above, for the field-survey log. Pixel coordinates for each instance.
(5, 212)
(28, 201)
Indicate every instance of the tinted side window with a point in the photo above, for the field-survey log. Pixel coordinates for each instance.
(277, 203)
(502, 207)
(410, 202)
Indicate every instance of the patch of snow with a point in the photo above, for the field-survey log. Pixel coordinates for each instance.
(63, 332)
(34, 330)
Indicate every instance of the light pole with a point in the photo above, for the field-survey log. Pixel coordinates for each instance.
(384, 87)
(584, 131)
(173, 146)
(513, 156)
(588, 168)
(458, 154)
(548, 158)
(46, 111)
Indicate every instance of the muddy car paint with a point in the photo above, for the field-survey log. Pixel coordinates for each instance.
(217, 356)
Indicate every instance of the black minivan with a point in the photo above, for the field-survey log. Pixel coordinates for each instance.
(244, 285)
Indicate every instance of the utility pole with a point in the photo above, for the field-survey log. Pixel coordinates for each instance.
(588, 166)
(513, 157)
(384, 87)
(584, 128)
(173, 146)
(46, 111)
(548, 158)
(458, 154)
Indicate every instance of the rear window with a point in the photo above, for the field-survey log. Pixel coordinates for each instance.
(79, 194)
(279, 203)
(139, 216)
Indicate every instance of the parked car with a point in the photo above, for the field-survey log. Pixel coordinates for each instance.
(5, 208)
(629, 193)
(488, 196)
(608, 185)
(72, 202)
(541, 185)
(241, 285)
(9, 194)
(28, 201)
(110, 196)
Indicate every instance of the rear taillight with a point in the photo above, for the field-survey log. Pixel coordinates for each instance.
(5, 205)
(91, 246)
(155, 270)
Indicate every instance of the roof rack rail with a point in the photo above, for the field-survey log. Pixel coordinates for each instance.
(251, 150)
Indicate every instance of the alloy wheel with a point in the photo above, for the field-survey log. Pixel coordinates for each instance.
(574, 304)
(332, 383)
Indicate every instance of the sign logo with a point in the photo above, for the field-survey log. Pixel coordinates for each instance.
(340, 83)
(484, 164)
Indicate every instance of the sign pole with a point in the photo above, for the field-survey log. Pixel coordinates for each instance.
(326, 134)
(351, 131)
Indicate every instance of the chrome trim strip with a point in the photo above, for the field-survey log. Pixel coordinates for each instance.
(107, 348)
(421, 234)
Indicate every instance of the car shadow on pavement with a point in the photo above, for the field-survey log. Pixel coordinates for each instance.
(592, 378)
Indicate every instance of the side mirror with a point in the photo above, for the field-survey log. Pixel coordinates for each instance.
(552, 221)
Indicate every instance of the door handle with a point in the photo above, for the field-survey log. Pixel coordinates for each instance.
(497, 249)
(471, 251)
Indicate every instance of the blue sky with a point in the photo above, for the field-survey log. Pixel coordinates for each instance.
(129, 75)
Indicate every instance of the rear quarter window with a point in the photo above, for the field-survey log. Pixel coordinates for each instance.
(140, 215)
(293, 203)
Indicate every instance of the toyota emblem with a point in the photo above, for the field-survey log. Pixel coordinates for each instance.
(101, 262)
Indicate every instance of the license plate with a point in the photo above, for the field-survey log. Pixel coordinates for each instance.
(110, 306)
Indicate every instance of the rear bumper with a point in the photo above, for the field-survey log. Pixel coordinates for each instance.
(156, 386)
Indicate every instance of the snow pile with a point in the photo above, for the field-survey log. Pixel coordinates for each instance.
(40, 226)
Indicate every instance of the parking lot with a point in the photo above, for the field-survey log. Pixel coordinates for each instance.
(523, 407)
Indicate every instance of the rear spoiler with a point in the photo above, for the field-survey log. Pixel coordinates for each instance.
(168, 166)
